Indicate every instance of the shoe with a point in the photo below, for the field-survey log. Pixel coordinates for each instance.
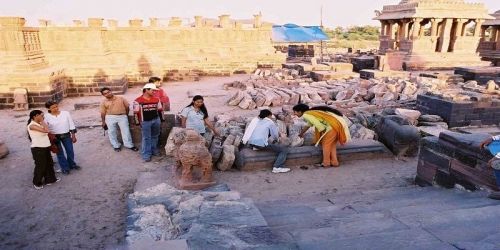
(117, 149)
(58, 170)
(494, 195)
(157, 154)
(37, 187)
(134, 149)
(281, 170)
(147, 160)
(65, 172)
(57, 180)
(76, 167)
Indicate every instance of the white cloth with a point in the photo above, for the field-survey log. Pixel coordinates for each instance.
(61, 123)
(249, 130)
(38, 139)
(251, 127)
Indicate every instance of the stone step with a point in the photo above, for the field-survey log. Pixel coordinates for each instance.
(249, 160)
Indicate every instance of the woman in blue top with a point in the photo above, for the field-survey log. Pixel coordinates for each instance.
(195, 116)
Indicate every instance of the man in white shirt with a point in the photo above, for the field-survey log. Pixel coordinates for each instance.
(62, 126)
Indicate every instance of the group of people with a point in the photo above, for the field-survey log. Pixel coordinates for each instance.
(262, 133)
(57, 129)
(329, 125)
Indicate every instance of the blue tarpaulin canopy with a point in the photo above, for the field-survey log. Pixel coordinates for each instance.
(292, 33)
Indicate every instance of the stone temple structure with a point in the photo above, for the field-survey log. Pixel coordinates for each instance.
(431, 34)
(52, 62)
(489, 47)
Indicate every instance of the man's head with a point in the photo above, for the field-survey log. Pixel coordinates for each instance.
(52, 106)
(106, 92)
(156, 81)
(265, 113)
(149, 89)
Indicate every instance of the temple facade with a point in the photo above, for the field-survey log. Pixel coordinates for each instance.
(432, 34)
(489, 47)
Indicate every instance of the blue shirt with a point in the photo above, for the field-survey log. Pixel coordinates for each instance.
(194, 119)
(264, 129)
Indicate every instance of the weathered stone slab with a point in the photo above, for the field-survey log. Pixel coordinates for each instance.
(248, 159)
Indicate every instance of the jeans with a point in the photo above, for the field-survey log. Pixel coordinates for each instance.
(66, 162)
(150, 133)
(114, 121)
(282, 152)
(497, 176)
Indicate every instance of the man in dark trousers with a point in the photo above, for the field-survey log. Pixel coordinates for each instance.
(148, 114)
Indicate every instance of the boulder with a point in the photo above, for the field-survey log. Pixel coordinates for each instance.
(227, 158)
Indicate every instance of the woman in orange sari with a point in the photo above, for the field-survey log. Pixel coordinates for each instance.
(330, 128)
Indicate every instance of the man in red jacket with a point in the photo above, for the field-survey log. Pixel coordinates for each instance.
(148, 113)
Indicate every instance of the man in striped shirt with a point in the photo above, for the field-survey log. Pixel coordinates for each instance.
(493, 145)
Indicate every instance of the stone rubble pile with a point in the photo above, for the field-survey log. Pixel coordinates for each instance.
(286, 87)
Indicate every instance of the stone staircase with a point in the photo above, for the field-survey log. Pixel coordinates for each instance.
(394, 218)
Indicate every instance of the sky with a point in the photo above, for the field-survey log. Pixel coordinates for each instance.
(335, 13)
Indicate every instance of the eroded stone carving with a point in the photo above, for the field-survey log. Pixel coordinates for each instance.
(194, 162)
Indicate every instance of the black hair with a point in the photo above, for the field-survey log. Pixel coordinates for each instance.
(264, 113)
(300, 107)
(143, 91)
(202, 108)
(104, 89)
(49, 103)
(303, 108)
(33, 113)
(327, 109)
(154, 79)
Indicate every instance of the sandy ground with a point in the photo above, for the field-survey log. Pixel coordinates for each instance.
(87, 208)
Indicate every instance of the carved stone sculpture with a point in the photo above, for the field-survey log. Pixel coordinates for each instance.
(194, 171)
(20, 99)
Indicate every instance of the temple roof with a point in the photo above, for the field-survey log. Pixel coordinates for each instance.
(495, 21)
(434, 9)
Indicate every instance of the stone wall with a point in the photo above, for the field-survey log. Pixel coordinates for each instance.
(86, 58)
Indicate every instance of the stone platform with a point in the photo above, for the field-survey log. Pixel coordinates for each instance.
(460, 114)
(455, 158)
(371, 73)
(480, 74)
(331, 75)
(250, 160)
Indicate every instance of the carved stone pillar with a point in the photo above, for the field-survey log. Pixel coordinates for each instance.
(434, 27)
(477, 29)
(459, 27)
(404, 30)
(444, 43)
(493, 35)
(416, 28)
(382, 29)
(483, 33)
(389, 29)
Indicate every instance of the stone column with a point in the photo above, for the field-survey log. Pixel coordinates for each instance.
(389, 29)
(198, 21)
(224, 21)
(382, 28)
(477, 29)
(416, 28)
(404, 30)
(483, 33)
(153, 22)
(493, 35)
(445, 35)
(434, 27)
(459, 27)
(137, 23)
(257, 22)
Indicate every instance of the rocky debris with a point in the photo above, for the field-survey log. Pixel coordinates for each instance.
(280, 88)
(210, 219)
(4, 150)
(397, 133)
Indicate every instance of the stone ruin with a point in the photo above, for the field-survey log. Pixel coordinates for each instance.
(54, 62)
(431, 34)
(489, 46)
(193, 168)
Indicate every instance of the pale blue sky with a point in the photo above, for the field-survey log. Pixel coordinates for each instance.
(335, 13)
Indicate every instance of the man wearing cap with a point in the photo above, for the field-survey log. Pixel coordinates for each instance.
(148, 114)
(114, 112)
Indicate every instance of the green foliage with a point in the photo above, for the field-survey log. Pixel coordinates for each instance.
(354, 33)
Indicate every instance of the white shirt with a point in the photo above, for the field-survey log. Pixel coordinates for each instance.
(38, 139)
(61, 123)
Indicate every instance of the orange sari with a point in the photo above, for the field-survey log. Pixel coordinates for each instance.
(336, 122)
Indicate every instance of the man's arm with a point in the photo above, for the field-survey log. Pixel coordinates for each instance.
(274, 132)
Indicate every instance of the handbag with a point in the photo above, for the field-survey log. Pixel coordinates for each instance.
(53, 143)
